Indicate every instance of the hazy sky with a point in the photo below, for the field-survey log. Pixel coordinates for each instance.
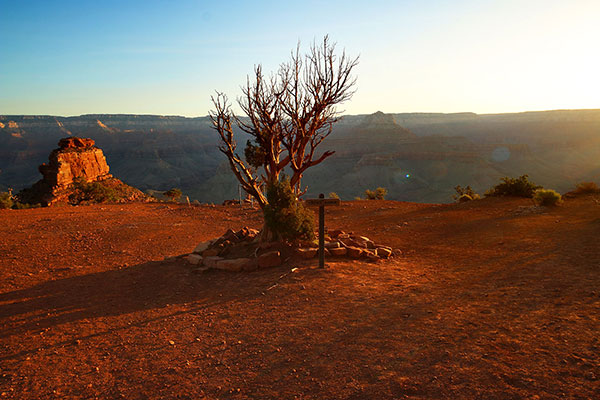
(167, 57)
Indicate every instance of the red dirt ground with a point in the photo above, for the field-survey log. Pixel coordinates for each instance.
(492, 299)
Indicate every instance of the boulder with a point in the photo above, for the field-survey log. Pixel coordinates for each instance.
(194, 259)
(371, 255)
(202, 246)
(335, 233)
(211, 252)
(307, 253)
(270, 259)
(338, 251)
(354, 252)
(211, 262)
(331, 245)
(383, 252)
(234, 265)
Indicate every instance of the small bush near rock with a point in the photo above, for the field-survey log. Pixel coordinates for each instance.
(546, 197)
(5, 200)
(92, 192)
(586, 188)
(519, 187)
(377, 194)
(464, 194)
(174, 194)
(285, 217)
(334, 195)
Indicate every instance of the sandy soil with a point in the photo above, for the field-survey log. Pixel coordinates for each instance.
(494, 299)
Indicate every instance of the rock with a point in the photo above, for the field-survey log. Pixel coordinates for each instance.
(371, 255)
(202, 246)
(267, 245)
(270, 259)
(343, 236)
(75, 142)
(370, 244)
(354, 252)
(194, 259)
(383, 252)
(335, 233)
(252, 265)
(338, 251)
(211, 261)
(235, 264)
(331, 245)
(211, 252)
(307, 253)
(75, 158)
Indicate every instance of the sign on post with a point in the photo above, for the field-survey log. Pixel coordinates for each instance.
(322, 202)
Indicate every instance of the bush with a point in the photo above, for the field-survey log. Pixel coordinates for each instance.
(586, 188)
(546, 197)
(377, 194)
(462, 192)
(92, 192)
(6, 200)
(334, 195)
(285, 217)
(519, 187)
(174, 194)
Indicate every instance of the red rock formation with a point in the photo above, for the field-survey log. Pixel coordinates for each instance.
(75, 158)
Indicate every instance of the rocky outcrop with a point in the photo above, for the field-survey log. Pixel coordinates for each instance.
(75, 157)
(71, 167)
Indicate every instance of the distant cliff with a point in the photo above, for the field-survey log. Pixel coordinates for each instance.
(417, 156)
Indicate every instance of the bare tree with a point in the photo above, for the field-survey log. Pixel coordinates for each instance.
(288, 115)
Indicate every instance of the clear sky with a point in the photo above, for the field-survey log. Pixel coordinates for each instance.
(167, 57)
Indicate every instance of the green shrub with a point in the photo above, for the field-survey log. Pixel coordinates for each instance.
(586, 188)
(519, 187)
(466, 191)
(377, 194)
(6, 200)
(546, 197)
(92, 192)
(174, 194)
(334, 195)
(285, 217)
(24, 206)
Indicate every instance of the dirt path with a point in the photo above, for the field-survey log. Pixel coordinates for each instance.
(493, 299)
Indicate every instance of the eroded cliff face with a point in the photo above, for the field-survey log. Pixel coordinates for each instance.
(76, 160)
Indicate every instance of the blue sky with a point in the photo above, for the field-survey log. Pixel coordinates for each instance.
(168, 57)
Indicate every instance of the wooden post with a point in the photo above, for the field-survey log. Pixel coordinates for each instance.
(321, 232)
(321, 202)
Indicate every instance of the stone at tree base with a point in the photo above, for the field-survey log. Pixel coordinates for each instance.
(202, 246)
(194, 259)
(371, 255)
(338, 251)
(252, 265)
(330, 245)
(335, 233)
(211, 252)
(383, 252)
(354, 252)
(234, 265)
(270, 259)
(307, 253)
(211, 261)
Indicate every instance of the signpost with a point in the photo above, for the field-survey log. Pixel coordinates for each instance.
(322, 202)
